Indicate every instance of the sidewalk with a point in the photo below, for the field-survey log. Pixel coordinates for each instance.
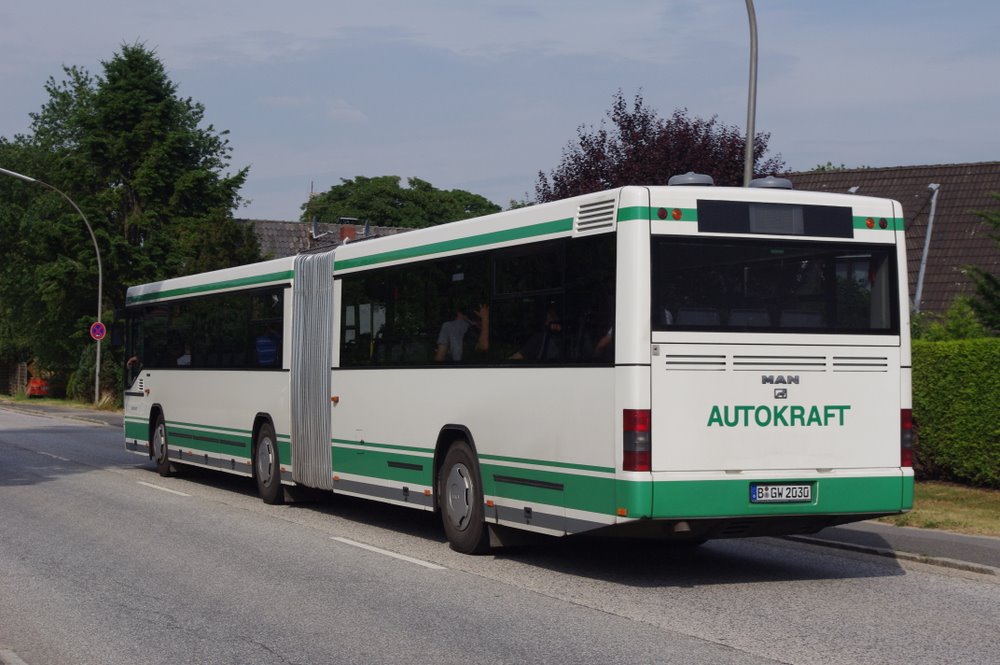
(109, 418)
(979, 554)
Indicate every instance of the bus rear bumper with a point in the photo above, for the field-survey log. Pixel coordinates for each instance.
(886, 492)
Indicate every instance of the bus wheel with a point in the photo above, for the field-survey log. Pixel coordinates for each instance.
(460, 496)
(267, 469)
(158, 447)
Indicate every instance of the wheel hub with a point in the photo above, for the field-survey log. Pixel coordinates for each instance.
(458, 490)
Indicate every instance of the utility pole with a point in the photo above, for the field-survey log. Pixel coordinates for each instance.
(751, 96)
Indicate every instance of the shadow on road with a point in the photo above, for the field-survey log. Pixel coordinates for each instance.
(637, 563)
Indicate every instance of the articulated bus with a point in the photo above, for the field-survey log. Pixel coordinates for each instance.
(680, 362)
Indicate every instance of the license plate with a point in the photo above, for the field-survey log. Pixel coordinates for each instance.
(772, 493)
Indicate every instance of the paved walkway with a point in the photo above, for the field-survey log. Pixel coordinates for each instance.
(977, 553)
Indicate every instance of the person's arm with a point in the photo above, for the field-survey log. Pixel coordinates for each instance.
(483, 343)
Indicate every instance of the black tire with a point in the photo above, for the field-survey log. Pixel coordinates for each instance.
(158, 449)
(460, 497)
(267, 467)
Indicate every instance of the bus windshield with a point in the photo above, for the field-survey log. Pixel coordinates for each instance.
(788, 286)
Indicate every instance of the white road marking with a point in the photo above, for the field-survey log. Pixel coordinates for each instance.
(162, 489)
(61, 459)
(394, 555)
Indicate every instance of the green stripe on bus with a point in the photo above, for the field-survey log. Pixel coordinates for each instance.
(383, 465)
(214, 428)
(179, 436)
(497, 458)
(646, 213)
(283, 275)
(691, 215)
(481, 240)
(387, 446)
(579, 492)
(555, 465)
(136, 429)
(632, 213)
(892, 223)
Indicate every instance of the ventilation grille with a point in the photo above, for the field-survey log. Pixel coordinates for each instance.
(780, 363)
(690, 362)
(860, 364)
(595, 216)
(718, 362)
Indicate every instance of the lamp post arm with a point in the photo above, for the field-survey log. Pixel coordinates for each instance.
(93, 238)
(97, 253)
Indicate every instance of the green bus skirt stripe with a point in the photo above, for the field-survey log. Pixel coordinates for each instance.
(595, 491)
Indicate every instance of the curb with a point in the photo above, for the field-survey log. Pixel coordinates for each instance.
(902, 556)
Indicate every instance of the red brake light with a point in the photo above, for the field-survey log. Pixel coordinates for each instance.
(636, 442)
(906, 437)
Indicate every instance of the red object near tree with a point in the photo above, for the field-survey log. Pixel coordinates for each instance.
(37, 387)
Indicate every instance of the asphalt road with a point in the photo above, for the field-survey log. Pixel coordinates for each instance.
(103, 561)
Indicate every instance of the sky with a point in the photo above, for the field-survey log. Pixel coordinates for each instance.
(481, 95)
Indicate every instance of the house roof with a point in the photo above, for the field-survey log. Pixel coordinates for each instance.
(279, 239)
(959, 237)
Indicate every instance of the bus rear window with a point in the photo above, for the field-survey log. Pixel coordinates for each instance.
(773, 286)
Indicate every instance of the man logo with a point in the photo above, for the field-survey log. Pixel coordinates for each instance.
(781, 393)
(769, 379)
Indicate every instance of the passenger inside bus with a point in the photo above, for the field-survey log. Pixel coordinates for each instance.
(546, 344)
(451, 341)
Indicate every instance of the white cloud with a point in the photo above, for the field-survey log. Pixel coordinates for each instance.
(339, 110)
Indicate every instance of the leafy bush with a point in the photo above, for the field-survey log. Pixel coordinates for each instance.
(959, 322)
(81, 382)
(956, 410)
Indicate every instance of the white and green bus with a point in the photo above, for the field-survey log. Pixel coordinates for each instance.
(684, 362)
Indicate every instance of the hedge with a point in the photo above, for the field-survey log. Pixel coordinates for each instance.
(956, 410)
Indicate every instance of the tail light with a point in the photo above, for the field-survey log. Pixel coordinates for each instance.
(636, 442)
(906, 437)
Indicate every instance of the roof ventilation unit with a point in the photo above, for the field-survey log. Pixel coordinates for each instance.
(691, 179)
(770, 182)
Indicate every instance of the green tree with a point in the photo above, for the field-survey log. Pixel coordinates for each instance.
(986, 302)
(382, 201)
(151, 178)
(644, 149)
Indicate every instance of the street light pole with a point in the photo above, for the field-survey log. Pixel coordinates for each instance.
(751, 96)
(100, 272)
